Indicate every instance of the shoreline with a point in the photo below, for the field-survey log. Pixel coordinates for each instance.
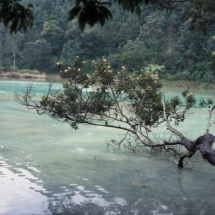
(189, 84)
(26, 76)
(47, 77)
(23, 75)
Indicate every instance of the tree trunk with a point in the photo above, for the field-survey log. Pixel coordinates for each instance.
(205, 148)
(203, 144)
(2, 38)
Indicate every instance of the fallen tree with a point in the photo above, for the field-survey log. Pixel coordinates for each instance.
(133, 103)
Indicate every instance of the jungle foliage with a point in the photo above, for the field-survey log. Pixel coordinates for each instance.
(156, 37)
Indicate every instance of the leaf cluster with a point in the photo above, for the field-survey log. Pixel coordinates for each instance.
(90, 12)
(20, 17)
(202, 15)
(139, 94)
(206, 103)
(132, 5)
(95, 11)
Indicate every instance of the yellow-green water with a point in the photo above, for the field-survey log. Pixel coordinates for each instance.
(48, 168)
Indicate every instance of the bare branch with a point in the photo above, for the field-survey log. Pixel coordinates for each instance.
(209, 120)
(169, 127)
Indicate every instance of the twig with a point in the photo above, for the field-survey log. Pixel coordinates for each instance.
(169, 127)
(209, 120)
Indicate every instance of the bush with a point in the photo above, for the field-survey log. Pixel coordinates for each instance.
(181, 76)
(203, 76)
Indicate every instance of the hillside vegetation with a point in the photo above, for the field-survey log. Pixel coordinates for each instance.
(155, 38)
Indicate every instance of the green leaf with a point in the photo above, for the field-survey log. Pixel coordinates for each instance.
(74, 12)
(28, 13)
(124, 4)
(105, 11)
(108, 3)
(82, 20)
(101, 19)
(138, 10)
(19, 24)
(132, 7)
(13, 25)
(77, 2)
(24, 25)
(30, 5)
(91, 16)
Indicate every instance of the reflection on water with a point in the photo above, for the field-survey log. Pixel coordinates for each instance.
(47, 168)
(20, 191)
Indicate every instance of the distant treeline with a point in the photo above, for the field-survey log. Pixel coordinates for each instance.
(157, 37)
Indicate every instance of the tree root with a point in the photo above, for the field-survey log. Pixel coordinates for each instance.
(189, 155)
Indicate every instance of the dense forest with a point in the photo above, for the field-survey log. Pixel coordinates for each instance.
(155, 38)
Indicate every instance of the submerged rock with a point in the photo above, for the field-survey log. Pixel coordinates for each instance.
(141, 185)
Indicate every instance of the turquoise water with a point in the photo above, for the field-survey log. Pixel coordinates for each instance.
(48, 168)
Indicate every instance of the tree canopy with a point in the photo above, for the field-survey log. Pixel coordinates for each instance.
(19, 16)
(94, 11)
(156, 37)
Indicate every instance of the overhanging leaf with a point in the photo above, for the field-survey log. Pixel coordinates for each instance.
(82, 20)
(138, 10)
(74, 12)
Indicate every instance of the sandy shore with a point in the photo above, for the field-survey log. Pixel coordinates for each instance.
(23, 75)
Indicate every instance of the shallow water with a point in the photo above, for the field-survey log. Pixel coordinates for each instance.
(48, 168)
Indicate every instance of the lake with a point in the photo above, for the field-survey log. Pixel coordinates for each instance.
(48, 168)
